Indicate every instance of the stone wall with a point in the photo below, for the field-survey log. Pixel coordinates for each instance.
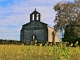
(40, 35)
(56, 37)
(52, 35)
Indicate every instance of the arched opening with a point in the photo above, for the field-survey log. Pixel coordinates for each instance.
(37, 17)
(53, 37)
(33, 17)
(33, 37)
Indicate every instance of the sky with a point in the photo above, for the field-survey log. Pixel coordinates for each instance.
(15, 13)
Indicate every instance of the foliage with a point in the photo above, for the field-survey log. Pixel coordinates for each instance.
(72, 34)
(68, 19)
(67, 14)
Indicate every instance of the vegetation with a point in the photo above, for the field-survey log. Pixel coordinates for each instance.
(68, 19)
(32, 52)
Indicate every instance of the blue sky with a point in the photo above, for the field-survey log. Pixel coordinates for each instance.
(15, 13)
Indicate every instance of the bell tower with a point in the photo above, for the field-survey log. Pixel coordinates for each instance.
(35, 16)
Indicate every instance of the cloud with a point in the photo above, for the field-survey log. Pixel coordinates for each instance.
(14, 15)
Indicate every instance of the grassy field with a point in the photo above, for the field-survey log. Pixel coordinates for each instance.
(23, 52)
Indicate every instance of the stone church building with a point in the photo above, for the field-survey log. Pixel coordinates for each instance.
(37, 30)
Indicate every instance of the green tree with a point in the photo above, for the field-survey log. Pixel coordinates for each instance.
(68, 19)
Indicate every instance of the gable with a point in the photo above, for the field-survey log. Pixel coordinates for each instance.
(34, 25)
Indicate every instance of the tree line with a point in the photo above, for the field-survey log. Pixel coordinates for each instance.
(16, 42)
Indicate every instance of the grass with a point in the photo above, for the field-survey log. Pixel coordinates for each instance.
(23, 52)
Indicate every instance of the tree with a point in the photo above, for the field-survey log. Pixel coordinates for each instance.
(68, 19)
(77, 1)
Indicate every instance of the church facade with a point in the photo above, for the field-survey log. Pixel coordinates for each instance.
(37, 30)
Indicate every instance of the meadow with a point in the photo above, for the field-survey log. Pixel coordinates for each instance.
(32, 52)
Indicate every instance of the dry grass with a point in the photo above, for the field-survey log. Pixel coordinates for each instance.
(21, 52)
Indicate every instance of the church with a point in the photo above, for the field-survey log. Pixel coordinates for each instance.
(37, 30)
